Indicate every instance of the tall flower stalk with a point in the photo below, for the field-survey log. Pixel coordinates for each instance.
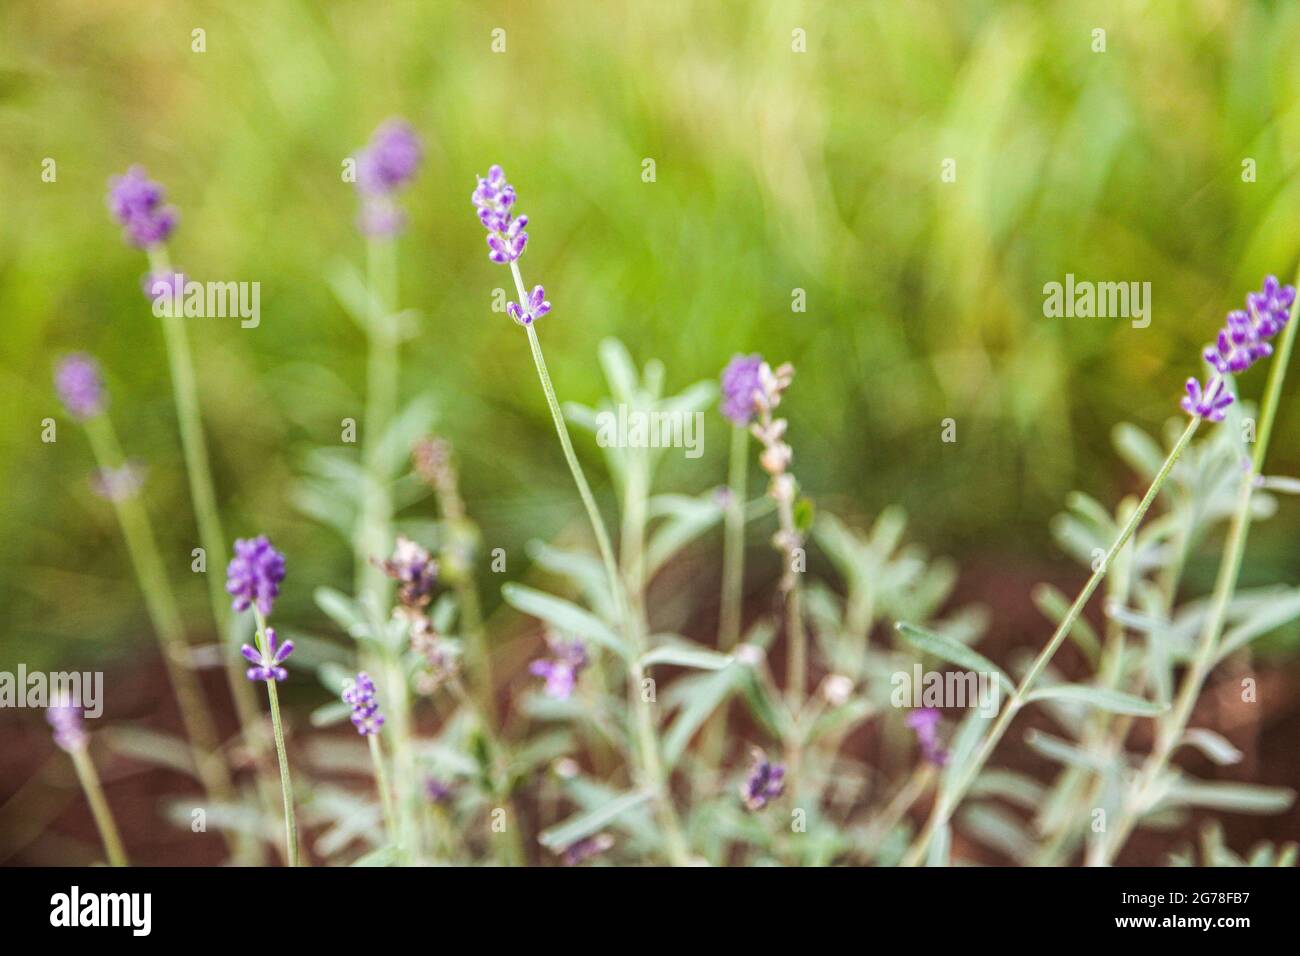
(359, 694)
(70, 735)
(137, 203)
(81, 389)
(494, 199)
(950, 796)
(1243, 341)
(253, 581)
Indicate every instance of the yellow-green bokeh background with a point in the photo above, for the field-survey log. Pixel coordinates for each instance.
(776, 170)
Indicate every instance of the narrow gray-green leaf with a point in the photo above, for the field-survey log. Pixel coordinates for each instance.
(585, 824)
(1111, 700)
(1215, 746)
(946, 649)
(562, 614)
(681, 655)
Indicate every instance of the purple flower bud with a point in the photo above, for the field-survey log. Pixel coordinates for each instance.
(267, 666)
(532, 309)
(586, 848)
(562, 670)
(64, 716)
(740, 384)
(415, 570)
(80, 387)
(254, 574)
(766, 782)
(925, 721)
(494, 198)
(136, 202)
(1210, 403)
(360, 695)
(435, 791)
(391, 159)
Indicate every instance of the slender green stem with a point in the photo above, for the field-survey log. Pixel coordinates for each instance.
(382, 370)
(381, 782)
(1170, 730)
(950, 797)
(198, 470)
(99, 808)
(733, 553)
(160, 602)
(648, 745)
(286, 784)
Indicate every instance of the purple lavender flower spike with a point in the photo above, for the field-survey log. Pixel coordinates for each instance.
(562, 670)
(360, 695)
(1271, 306)
(254, 574)
(1210, 403)
(136, 202)
(925, 721)
(268, 666)
(1243, 340)
(388, 162)
(64, 716)
(765, 783)
(391, 159)
(80, 387)
(740, 382)
(534, 308)
(494, 198)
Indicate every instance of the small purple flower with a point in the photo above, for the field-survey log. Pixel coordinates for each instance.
(80, 387)
(925, 721)
(494, 198)
(254, 574)
(118, 484)
(360, 695)
(561, 670)
(740, 383)
(586, 848)
(136, 202)
(435, 791)
(64, 716)
(533, 308)
(1210, 403)
(414, 569)
(267, 666)
(1271, 306)
(390, 160)
(766, 782)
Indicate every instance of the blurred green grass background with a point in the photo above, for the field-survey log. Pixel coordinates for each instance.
(775, 171)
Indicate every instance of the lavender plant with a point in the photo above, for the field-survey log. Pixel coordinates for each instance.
(138, 204)
(80, 386)
(634, 742)
(64, 715)
(253, 580)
